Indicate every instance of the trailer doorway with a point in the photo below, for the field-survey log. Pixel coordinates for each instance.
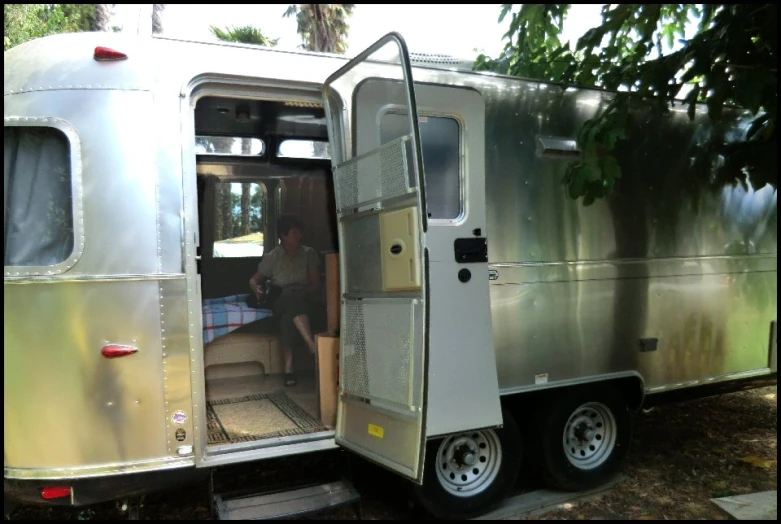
(258, 159)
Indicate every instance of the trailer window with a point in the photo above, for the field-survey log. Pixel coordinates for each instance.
(229, 146)
(440, 140)
(239, 219)
(37, 197)
(304, 149)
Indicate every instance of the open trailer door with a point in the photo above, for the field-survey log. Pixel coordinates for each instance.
(381, 212)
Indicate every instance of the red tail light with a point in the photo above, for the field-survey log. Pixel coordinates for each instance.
(55, 492)
(106, 54)
(117, 350)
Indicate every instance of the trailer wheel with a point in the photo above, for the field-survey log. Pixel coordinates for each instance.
(585, 437)
(468, 473)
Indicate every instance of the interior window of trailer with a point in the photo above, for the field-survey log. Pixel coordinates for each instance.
(229, 146)
(239, 219)
(304, 149)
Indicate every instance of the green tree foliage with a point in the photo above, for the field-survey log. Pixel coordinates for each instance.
(729, 61)
(23, 22)
(243, 35)
(323, 27)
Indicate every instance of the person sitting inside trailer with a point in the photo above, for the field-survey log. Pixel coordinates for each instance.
(293, 271)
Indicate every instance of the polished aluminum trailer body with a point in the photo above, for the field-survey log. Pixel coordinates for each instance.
(662, 284)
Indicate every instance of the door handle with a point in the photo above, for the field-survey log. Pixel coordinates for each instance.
(471, 250)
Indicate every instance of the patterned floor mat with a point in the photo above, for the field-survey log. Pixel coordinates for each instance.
(256, 417)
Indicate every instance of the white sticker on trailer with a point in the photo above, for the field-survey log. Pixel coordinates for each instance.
(541, 379)
(179, 417)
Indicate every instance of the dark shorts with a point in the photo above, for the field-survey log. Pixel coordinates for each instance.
(289, 305)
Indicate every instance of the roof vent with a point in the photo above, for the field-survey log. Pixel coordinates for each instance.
(440, 61)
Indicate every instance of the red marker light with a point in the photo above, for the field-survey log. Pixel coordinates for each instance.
(106, 54)
(117, 350)
(55, 492)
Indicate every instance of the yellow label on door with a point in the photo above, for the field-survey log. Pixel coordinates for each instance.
(376, 431)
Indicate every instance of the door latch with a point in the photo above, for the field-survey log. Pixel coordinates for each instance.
(493, 274)
(471, 250)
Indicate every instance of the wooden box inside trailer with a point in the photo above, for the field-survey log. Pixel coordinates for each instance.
(328, 345)
(328, 377)
(332, 283)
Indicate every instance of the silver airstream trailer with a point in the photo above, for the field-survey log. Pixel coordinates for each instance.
(467, 299)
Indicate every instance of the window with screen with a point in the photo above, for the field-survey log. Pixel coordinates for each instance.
(440, 140)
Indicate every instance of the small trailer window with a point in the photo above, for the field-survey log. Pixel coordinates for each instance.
(37, 197)
(239, 219)
(440, 141)
(229, 146)
(304, 149)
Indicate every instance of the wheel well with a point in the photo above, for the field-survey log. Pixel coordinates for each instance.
(633, 390)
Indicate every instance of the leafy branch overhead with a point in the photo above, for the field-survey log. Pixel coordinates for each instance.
(22, 22)
(643, 52)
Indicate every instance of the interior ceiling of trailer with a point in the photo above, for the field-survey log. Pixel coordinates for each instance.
(218, 116)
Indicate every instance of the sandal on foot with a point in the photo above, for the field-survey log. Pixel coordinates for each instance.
(290, 379)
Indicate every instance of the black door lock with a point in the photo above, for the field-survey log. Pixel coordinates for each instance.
(471, 250)
(464, 275)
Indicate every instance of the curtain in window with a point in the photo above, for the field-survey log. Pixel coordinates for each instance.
(37, 199)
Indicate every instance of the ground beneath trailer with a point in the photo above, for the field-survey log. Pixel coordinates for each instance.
(686, 454)
(683, 456)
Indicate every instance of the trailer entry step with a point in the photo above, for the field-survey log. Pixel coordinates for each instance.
(289, 503)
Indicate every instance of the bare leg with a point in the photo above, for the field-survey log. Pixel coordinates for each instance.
(302, 324)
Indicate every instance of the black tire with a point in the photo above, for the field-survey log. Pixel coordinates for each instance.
(599, 445)
(8, 507)
(443, 503)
